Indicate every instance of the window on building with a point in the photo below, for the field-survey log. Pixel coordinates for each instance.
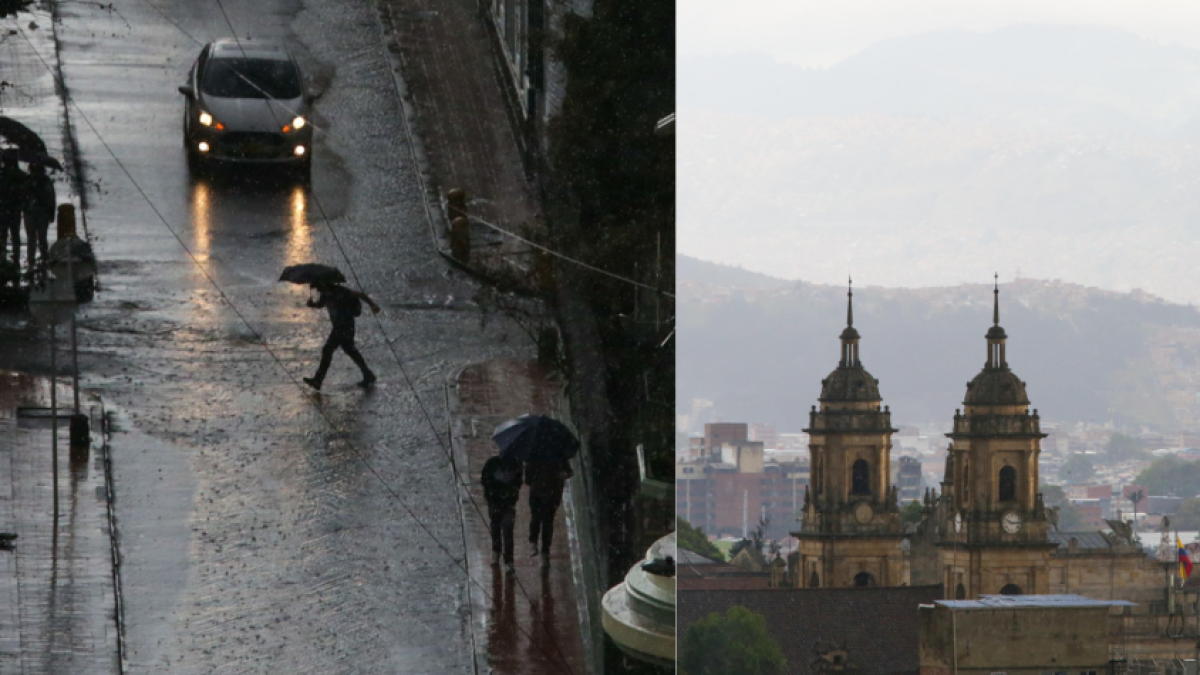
(1010, 589)
(1008, 484)
(813, 580)
(960, 593)
(860, 478)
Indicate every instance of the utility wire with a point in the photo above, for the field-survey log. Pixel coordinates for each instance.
(391, 347)
(258, 336)
(567, 258)
(333, 137)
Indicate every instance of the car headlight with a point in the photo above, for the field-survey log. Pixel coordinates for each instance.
(298, 123)
(206, 119)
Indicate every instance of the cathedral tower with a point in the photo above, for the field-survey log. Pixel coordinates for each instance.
(851, 534)
(993, 529)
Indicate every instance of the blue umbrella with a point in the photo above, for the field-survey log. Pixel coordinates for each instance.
(535, 438)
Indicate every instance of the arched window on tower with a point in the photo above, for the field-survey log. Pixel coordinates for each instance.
(864, 579)
(1010, 589)
(960, 593)
(860, 478)
(1008, 484)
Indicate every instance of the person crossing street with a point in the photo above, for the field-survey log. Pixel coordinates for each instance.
(343, 305)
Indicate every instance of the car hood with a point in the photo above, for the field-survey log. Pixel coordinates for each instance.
(253, 114)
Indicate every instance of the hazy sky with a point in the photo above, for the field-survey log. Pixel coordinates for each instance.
(822, 32)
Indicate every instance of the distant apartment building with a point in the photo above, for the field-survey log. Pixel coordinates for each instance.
(1162, 505)
(723, 432)
(763, 433)
(908, 478)
(728, 491)
(791, 442)
(1094, 512)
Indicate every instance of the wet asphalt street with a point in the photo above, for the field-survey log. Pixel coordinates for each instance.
(262, 527)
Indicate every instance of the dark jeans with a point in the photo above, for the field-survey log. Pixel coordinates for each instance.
(343, 338)
(10, 229)
(542, 512)
(502, 516)
(37, 228)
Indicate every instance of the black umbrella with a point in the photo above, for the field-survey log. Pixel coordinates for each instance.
(31, 157)
(312, 274)
(22, 136)
(535, 438)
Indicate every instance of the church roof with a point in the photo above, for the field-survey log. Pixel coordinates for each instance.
(996, 386)
(850, 384)
(878, 626)
(1091, 540)
(1032, 602)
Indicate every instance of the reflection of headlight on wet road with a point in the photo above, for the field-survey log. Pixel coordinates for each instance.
(299, 150)
(201, 218)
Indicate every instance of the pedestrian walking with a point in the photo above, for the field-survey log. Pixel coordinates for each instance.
(13, 186)
(502, 488)
(40, 206)
(546, 480)
(343, 305)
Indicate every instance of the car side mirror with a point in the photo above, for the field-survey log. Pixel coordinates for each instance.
(187, 91)
(312, 95)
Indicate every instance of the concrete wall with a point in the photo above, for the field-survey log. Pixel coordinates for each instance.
(1133, 576)
(1015, 641)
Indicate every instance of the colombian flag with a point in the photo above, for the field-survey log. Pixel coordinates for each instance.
(1185, 561)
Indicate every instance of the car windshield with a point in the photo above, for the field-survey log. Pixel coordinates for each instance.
(251, 78)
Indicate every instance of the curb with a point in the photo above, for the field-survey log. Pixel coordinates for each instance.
(471, 556)
(101, 434)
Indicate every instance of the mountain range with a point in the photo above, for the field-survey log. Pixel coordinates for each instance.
(757, 348)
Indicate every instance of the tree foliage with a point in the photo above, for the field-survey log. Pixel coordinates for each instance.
(693, 539)
(1122, 448)
(1077, 469)
(1188, 515)
(757, 540)
(1069, 517)
(1171, 476)
(734, 644)
(911, 513)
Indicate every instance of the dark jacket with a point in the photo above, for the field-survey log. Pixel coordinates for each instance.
(40, 200)
(13, 187)
(502, 481)
(342, 304)
(547, 479)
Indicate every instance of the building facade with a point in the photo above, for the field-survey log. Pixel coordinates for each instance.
(728, 492)
(850, 533)
(993, 529)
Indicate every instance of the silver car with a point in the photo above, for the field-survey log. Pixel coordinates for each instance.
(247, 103)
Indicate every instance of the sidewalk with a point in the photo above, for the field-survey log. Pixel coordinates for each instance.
(57, 605)
(449, 66)
(527, 622)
